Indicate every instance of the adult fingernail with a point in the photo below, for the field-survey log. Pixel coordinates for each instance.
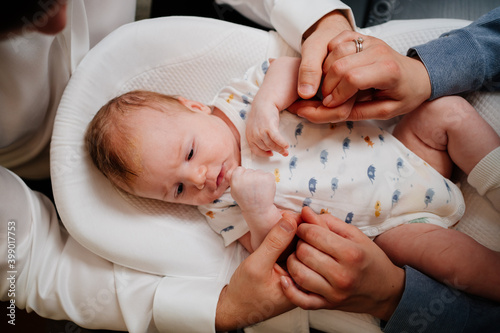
(306, 89)
(286, 225)
(284, 282)
(327, 100)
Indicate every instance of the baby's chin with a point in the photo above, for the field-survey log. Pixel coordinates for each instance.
(215, 197)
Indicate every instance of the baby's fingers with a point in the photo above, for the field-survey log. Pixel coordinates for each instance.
(257, 150)
(278, 144)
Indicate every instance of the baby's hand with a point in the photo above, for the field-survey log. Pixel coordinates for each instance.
(263, 133)
(253, 190)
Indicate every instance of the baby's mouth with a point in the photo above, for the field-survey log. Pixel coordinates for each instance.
(220, 177)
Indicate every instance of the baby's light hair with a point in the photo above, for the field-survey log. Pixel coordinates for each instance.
(112, 150)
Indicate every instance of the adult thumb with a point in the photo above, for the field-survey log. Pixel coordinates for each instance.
(310, 70)
(276, 242)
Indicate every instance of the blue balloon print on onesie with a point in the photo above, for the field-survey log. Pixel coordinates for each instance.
(429, 195)
(265, 66)
(395, 197)
(448, 188)
(292, 165)
(346, 145)
(323, 157)
(243, 114)
(334, 185)
(371, 173)
(245, 99)
(399, 165)
(298, 132)
(227, 229)
(349, 217)
(312, 185)
(349, 125)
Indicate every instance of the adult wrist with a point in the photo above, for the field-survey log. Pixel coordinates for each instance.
(228, 316)
(292, 18)
(389, 305)
(421, 75)
(222, 317)
(335, 18)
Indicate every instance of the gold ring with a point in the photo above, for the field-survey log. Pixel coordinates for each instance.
(359, 44)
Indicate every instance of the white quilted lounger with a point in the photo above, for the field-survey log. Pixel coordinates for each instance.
(195, 57)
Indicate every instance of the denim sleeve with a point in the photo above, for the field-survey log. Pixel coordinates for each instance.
(464, 59)
(428, 306)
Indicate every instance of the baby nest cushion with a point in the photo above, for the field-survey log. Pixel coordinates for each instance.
(191, 57)
(171, 56)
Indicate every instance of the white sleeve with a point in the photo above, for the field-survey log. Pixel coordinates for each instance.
(485, 177)
(291, 18)
(56, 277)
(178, 296)
(50, 273)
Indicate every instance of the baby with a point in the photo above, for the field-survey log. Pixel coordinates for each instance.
(182, 151)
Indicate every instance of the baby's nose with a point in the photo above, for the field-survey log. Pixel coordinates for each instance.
(199, 177)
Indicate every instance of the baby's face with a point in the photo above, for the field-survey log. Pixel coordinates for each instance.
(188, 158)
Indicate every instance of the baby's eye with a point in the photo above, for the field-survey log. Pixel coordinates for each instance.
(180, 188)
(191, 152)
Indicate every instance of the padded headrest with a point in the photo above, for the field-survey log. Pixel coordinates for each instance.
(192, 57)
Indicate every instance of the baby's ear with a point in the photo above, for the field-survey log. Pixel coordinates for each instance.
(194, 105)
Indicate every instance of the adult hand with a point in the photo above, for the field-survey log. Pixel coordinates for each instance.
(254, 292)
(315, 49)
(341, 269)
(385, 83)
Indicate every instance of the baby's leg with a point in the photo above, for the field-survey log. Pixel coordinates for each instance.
(445, 130)
(447, 255)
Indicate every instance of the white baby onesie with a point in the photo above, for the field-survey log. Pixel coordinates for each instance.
(355, 171)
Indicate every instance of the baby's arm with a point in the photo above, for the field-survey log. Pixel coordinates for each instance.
(254, 192)
(277, 92)
(447, 255)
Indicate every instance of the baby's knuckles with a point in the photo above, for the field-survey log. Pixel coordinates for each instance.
(270, 179)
